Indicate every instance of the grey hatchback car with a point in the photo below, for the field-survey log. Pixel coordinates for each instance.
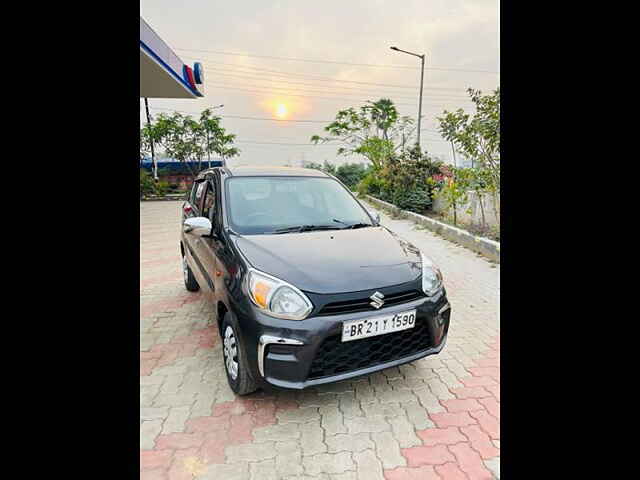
(308, 287)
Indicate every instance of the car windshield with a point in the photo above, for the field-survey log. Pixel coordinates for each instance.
(271, 205)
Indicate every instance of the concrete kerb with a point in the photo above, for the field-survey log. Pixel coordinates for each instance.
(169, 197)
(483, 246)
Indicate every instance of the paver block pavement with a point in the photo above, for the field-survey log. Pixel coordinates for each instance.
(438, 417)
(328, 463)
(388, 450)
(149, 430)
(369, 466)
(349, 443)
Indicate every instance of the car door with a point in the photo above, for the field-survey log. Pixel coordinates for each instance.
(206, 248)
(190, 209)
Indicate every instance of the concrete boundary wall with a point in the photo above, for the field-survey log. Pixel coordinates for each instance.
(471, 211)
(483, 246)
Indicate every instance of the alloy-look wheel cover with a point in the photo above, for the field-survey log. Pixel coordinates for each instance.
(185, 269)
(230, 352)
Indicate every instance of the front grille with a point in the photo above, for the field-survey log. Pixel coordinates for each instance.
(335, 357)
(363, 304)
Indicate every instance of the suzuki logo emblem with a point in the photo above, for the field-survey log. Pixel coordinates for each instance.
(378, 300)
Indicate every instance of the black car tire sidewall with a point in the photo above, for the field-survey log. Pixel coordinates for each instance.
(191, 283)
(244, 383)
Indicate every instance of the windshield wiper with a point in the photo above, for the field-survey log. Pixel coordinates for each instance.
(358, 225)
(353, 225)
(304, 228)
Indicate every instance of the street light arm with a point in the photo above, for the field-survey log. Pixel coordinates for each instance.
(404, 51)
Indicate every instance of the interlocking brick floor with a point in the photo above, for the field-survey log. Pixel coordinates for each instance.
(437, 418)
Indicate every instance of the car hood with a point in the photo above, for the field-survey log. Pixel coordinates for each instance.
(334, 261)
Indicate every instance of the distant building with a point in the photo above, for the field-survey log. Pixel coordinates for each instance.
(178, 173)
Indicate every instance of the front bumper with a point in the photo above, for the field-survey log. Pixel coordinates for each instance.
(282, 352)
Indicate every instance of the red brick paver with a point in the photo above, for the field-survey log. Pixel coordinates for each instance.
(471, 392)
(450, 471)
(441, 436)
(435, 455)
(470, 462)
(444, 420)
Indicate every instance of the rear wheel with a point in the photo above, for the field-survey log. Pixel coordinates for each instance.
(190, 282)
(235, 359)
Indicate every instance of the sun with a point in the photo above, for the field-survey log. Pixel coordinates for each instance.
(281, 110)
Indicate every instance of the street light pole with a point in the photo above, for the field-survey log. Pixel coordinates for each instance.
(420, 104)
(154, 167)
(421, 57)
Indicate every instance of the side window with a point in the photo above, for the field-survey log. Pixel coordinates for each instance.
(209, 201)
(192, 193)
(198, 189)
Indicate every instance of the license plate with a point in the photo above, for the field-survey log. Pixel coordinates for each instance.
(373, 326)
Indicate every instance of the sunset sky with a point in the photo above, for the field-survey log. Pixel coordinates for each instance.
(325, 50)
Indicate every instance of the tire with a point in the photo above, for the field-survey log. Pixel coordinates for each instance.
(190, 282)
(234, 358)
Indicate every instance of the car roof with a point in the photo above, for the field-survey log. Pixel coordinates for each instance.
(261, 171)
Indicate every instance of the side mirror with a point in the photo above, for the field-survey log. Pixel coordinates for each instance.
(376, 216)
(200, 226)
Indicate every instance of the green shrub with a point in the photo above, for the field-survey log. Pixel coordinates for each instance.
(147, 186)
(371, 184)
(351, 173)
(162, 188)
(416, 200)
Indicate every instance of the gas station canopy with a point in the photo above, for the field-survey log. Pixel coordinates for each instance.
(162, 73)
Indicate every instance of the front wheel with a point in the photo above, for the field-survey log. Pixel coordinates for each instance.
(190, 282)
(235, 359)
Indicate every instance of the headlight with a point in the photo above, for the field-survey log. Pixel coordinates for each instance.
(277, 297)
(431, 276)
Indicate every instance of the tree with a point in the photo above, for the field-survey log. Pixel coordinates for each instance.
(479, 180)
(179, 136)
(454, 190)
(329, 168)
(374, 131)
(216, 138)
(188, 140)
(477, 136)
(145, 142)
